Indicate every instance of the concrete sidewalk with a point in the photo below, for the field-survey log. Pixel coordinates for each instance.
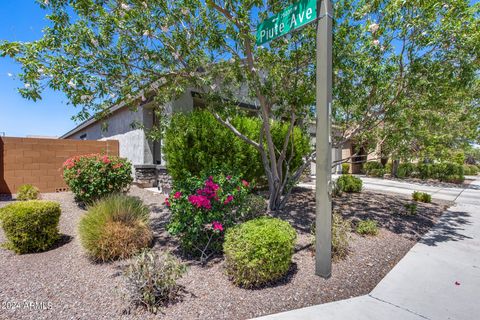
(439, 278)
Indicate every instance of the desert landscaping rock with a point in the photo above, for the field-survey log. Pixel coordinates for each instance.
(70, 286)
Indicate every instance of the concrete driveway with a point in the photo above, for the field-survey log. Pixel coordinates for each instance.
(439, 278)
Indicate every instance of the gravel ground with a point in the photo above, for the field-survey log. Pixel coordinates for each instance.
(64, 284)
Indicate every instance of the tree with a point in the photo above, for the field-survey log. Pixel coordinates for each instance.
(100, 52)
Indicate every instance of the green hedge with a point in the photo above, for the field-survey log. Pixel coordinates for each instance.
(259, 251)
(196, 143)
(444, 171)
(30, 226)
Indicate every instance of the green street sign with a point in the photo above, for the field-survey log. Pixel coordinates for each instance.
(293, 17)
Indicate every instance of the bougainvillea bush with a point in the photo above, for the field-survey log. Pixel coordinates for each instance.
(202, 209)
(92, 177)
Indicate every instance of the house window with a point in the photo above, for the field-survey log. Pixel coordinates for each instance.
(83, 136)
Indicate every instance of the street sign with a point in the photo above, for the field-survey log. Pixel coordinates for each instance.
(293, 17)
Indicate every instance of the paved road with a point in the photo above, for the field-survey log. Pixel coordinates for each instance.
(439, 278)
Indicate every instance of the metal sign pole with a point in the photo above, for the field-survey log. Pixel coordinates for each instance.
(323, 201)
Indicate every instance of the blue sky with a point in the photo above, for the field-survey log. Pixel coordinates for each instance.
(23, 20)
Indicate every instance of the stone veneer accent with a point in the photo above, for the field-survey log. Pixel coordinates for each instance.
(151, 175)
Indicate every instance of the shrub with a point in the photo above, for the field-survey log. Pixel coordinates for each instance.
(151, 279)
(91, 177)
(115, 227)
(27, 192)
(374, 169)
(411, 208)
(405, 170)
(252, 207)
(30, 226)
(340, 235)
(470, 170)
(426, 171)
(202, 209)
(421, 196)
(367, 227)
(345, 168)
(195, 145)
(349, 183)
(259, 251)
(449, 172)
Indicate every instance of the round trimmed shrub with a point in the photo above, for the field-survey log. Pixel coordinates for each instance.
(92, 177)
(349, 183)
(115, 227)
(30, 226)
(27, 192)
(259, 251)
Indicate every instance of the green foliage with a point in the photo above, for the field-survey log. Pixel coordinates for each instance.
(374, 169)
(367, 227)
(421, 196)
(27, 192)
(92, 177)
(203, 208)
(345, 168)
(195, 144)
(349, 183)
(405, 170)
(151, 279)
(253, 206)
(449, 172)
(259, 251)
(115, 227)
(459, 158)
(411, 209)
(30, 226)
(470, 170)
(340, 235)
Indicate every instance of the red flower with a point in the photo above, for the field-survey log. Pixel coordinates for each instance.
(228, 200)
(177, 195)
(245, 183)
(200, 201)
(217, 226)
(167, 203)
(105, 160)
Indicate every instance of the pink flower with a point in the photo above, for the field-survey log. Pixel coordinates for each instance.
(177, 195)
(105, 160)
(229, 199)
(229, 177)
(245, 183)
(79, 171)
(167, 203)
(217, 226)
(200, 201)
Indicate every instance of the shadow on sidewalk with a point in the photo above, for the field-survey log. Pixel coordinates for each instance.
(448, 228)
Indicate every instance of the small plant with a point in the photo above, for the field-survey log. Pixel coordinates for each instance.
(345, 168)
(421, 196)
(92, 177)
(115, 227)
(252, 207)
(259, 251)
(374, 169)
(151, 279)
(367, 227)
(341, 229)
(202, 209)
(411, 209)
(30, 226)
(349, 183)
(27, 192)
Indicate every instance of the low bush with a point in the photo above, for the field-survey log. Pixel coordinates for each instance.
(253, 206)
(195, 145)
(27, 192)
(367, 227)
(92, 177)
(341, 229)
(374, 169)
(421, 196)
(259, 251)
(405, 170)
(151, 279)
(115, 227)
(345, 168)
(411, 209)
(203, 208)
(30, 226)
(349, 183)
(449, 172)
(470, 170)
